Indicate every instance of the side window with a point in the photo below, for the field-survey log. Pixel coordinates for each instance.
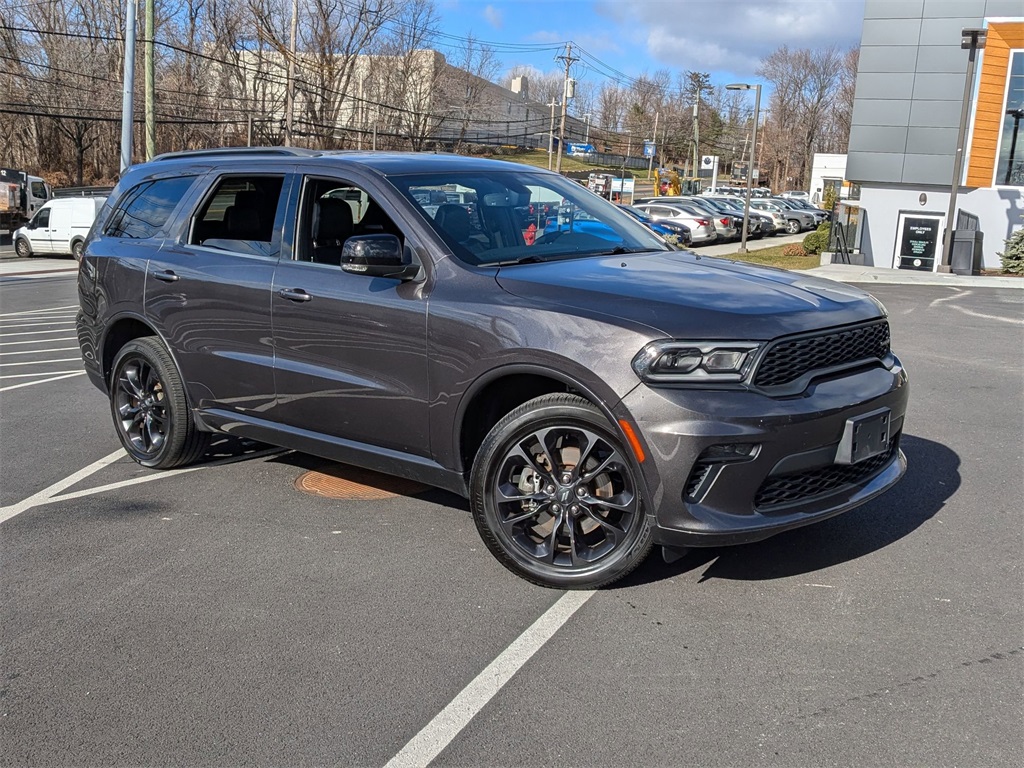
(333, 211)
(43, 218)
(239, 216)
(144, 209)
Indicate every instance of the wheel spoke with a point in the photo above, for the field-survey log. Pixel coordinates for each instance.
(509, 493)
(130, 381)
(520, 452)
(613, 530)
(612, 458)
(628, 506)
(511, 521)
(552, 549)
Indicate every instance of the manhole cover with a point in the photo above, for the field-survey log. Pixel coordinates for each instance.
(344, 482)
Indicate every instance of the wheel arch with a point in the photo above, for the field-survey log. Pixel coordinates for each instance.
(120, 332)
(501, 391)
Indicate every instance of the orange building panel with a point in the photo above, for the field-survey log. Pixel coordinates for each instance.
(1002, 38)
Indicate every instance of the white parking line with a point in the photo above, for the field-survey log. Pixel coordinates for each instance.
(36, 333)
(439, 732)
(38, 311)
(39, 351)
(43, 362)
(6, 513)
(41, 381)
(6, 324)
(38, 341)
(983, 316)
(28, 375)
(52, 494)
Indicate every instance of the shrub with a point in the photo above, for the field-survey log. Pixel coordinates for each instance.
(794, 249)
(1013, 256)
(817, 241)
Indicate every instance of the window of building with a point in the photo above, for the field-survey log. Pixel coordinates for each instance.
(1010, 163)
(144, 210)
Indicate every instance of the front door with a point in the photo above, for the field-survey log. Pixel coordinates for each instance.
(351, 350)
(38, 233)
(208, 290)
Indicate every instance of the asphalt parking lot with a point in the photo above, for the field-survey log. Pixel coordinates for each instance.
(222, 616)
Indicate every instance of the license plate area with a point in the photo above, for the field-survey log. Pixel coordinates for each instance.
(864, 436)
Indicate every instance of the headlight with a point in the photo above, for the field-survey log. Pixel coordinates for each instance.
(695, 362)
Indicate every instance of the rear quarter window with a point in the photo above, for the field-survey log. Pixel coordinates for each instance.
(144, 209)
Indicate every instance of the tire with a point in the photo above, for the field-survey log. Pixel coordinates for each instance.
(22, 248)
(566, 529)
(149, 407)
(793, 227)
(77, 248)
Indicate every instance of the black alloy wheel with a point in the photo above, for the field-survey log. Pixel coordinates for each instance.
(22, 248)
(150, 409)
(555, 496)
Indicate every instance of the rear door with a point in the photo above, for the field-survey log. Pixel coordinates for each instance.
(208, 289)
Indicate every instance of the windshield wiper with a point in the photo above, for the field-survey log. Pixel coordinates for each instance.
(531, 259)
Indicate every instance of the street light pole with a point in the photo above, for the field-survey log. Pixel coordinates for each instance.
(750, 164)
(128, 88)
(971, 40)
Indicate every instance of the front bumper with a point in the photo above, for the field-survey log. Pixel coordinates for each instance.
(790, 480)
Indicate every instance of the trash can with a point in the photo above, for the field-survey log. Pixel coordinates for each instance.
(966, 258)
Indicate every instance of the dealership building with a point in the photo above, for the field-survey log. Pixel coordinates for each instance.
(906, 120)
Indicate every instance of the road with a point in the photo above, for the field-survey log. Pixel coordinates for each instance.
(220, 616)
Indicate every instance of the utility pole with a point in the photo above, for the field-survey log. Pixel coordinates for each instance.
(128, 87)
(289, 106)
(150, 88)
(566, 95)
(696, 140)
(551, 133)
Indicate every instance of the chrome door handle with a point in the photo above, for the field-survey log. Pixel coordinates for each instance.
(166, 276)
(294, 294)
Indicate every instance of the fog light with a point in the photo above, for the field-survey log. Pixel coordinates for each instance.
(729, 452)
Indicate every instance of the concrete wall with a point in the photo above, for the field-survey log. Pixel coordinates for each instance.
(910, 86)
(1000, 211)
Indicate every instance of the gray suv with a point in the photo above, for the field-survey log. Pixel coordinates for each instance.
(592, 391)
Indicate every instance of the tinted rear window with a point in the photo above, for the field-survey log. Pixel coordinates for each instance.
(145, 208)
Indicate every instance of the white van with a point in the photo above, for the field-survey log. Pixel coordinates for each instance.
(59, 227)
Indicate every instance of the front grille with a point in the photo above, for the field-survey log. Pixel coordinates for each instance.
(783, 490)
(786, 361)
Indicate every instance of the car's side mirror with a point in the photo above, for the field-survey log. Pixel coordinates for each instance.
(377, 256)
(31, 224)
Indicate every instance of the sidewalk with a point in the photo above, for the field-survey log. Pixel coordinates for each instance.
(856, 273)
(11, 265)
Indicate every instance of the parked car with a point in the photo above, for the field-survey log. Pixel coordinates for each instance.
(590, 396)
(818, 214)
(666, 228)
(725, 226)
(794, 210)
(701, 225)
(58, 227)
(796, 194)
(786, 219)
(758, 226)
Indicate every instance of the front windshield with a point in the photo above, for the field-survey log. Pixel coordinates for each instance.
(516, 217)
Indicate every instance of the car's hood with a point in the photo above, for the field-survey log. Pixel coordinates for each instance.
(689, 296)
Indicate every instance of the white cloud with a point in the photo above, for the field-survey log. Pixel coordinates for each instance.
(494, 17)
(709, 35)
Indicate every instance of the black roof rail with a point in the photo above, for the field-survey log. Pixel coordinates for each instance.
(238, 151)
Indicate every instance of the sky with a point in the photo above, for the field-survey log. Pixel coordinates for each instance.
(726, 39)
